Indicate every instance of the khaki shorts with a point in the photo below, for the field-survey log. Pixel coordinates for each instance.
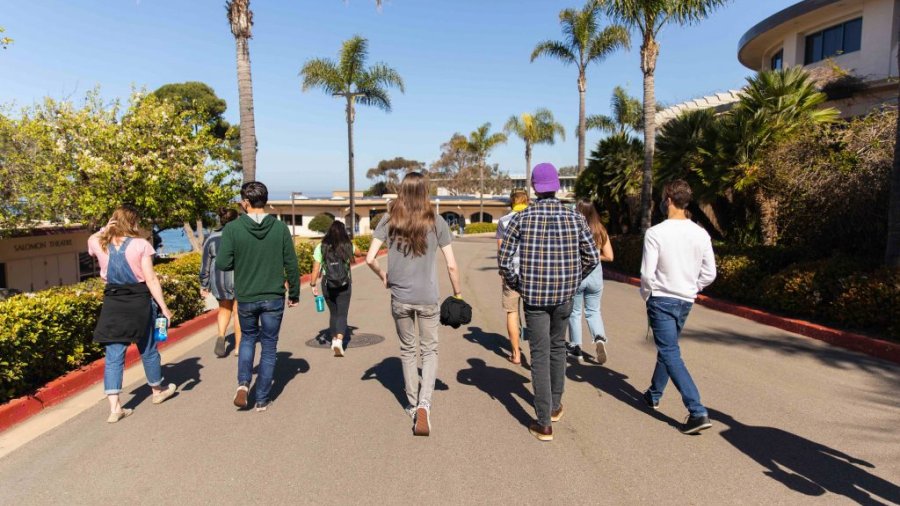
(510, 299)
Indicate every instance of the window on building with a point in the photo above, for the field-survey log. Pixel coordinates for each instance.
(296, 219)
(87, 266)
(836, 40)
(3, 275)
(777, 62)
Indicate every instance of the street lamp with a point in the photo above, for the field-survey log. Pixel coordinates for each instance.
(293, 212)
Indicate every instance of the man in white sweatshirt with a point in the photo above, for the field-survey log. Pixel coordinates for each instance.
(678, 262)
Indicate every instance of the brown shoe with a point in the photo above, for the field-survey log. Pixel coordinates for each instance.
(542, 432)
(422, 426)
(240, 396)
(556, 414)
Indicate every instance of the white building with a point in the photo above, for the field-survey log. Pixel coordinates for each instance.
(50, 256)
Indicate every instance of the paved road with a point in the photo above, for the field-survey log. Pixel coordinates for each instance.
(795, 422)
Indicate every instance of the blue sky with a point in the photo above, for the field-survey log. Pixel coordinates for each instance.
(464, 62)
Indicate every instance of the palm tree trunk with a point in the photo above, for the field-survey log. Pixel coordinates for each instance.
(248, 125)
(768, 216)
(892, 252)
(582, 122)
(528, 169)
(481, 192)
(649, 52)
(351, 115)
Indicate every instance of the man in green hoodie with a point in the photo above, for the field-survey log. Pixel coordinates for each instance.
(260, 251)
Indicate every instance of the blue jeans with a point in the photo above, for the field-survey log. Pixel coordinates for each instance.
(260, 321)
(667, 316)
(114, 366)
(588, 297)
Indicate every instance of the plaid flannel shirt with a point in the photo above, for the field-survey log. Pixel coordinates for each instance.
(556, 252)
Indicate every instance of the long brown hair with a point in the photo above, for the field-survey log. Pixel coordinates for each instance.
(412, 216)
(587, 209)
(125, 222)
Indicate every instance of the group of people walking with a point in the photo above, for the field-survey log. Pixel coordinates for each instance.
(549, 260)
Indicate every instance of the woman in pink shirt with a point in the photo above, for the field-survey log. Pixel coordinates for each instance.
(132, 299)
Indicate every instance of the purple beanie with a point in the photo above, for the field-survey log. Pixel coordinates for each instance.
(545, 178)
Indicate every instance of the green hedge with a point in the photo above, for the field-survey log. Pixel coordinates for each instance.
(46, 334)
(480, 228)
(846, 292)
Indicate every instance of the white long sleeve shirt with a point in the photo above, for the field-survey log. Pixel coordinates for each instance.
(678, 260)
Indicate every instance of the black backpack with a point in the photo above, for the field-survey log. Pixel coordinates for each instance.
(337, 265)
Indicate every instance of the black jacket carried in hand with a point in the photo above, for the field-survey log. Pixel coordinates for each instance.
(455, 312)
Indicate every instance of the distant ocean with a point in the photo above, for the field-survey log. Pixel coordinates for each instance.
(173, 241)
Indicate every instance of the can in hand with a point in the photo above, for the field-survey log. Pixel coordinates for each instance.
(161, 329)
(320, 303)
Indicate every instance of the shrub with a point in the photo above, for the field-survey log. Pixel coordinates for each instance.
(362, 243)
(481, 228)
(870, 300)
(627, 251)
(304, 252)
(321, 223)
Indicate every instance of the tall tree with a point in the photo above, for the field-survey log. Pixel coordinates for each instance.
(626, 115)
(612, 180)
(389, 172)
(537, 128)
(584, 43)
(349, 78)
(240, 17)
(480, 143)
(774, 105)
(648, 17)
(892, 252)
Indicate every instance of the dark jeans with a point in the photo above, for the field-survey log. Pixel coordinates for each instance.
(260, 321)
(338, 301)
(547, 333)
(667, 316)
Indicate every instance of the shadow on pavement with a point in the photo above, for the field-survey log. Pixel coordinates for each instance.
(792, 345)
(185, 375)
(613, 383)
(491, 341)
(324, 336)
(389, 372)
(286, 369)
(805, 466)
(502, 385)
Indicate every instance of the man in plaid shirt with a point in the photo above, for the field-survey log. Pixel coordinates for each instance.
(556, 252)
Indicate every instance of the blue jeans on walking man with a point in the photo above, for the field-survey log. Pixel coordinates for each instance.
(666, 316)
(260, 321)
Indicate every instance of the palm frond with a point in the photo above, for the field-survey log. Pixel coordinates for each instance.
(376, 96)
(609, 40)
(386, 76)
(686, 12)
(515, 125)
(352, 58)
(554, 49)
(323, 73)
(602, 123)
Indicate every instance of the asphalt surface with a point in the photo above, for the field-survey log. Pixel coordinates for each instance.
(795, 421)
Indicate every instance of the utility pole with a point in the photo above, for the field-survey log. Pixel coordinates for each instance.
(351, 116)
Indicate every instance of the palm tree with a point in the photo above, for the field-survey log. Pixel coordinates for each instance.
(774, 105)
(648, 17)
(348, 77)
(240, 17)
(612, 179)
(584, 43)
(537, 128)
(626, 115)
(480, 143)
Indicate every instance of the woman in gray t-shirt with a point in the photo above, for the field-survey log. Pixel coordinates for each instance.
(413, 234)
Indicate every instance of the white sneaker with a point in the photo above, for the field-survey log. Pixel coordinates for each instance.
(601, 351)
(338, 346)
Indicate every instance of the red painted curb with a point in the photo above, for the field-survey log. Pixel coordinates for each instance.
(850, 340)
(60, 389)
(22, 408)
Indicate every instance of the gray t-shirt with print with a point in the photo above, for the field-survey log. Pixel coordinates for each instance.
(413, 280)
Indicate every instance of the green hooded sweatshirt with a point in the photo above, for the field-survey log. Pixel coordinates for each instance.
(262, 257)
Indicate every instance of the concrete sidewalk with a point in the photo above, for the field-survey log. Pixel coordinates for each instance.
(795, 421)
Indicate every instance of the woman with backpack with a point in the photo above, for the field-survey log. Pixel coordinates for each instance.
(132, 300)
(220, 284)
(587, 297)
(414, 233)
(332, 259)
